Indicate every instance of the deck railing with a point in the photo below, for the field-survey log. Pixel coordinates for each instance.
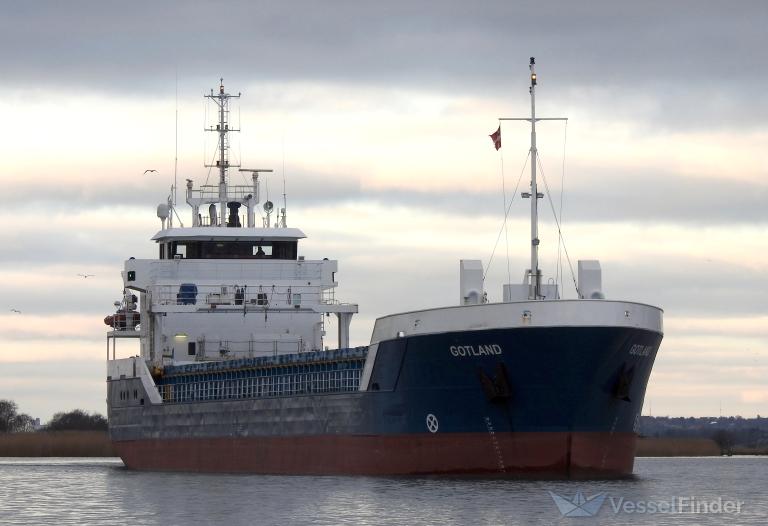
(219, 387)
(235, 294)
(226, 349)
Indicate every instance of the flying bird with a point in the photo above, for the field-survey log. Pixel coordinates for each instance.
(145, 171)
(86, 276)
(17, 311)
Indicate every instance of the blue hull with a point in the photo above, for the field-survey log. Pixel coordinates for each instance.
(526, 401)
(558, 379)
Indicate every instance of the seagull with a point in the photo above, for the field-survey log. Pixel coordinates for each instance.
(17, 311)
(150, 170)
(86, 276)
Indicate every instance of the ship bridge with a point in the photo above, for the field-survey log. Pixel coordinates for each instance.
(229, 243)
(233, 284)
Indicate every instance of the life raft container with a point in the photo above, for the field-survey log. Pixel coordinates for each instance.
(122, 320)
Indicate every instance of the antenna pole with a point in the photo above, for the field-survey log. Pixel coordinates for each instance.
(222, 128)
(535, 280)
(176, 149)
(534, 274)
(285, 202)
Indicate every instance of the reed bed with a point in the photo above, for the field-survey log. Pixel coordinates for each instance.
(677, 447)
(56, 444)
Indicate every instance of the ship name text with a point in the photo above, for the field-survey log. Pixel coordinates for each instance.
(471, 350)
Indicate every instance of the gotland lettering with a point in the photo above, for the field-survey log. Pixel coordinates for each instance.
(471, 350)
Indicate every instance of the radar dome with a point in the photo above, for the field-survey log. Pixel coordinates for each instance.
(162, 211)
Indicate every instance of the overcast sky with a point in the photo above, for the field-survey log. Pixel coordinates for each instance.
(380, 113)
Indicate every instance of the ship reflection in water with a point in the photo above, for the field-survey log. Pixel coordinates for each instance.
(87, 491)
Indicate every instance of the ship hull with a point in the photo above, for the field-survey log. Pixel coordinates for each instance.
(524, 455)
(540, 402)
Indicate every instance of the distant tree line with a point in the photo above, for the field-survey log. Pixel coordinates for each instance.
(11, 421)
(727, 431)
(77, 420)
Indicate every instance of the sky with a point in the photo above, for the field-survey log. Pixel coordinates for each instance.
(377, 114)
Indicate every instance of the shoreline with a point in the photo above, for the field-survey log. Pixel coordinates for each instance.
(97, 444)
(56, 444)
(689, 447)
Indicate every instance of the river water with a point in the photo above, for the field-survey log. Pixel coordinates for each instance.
(102, 491)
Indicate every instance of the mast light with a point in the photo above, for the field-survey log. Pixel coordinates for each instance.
(533, 79)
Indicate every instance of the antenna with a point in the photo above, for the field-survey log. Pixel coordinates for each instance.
(285, 203)
(176, 147)
(255, 196)
(534, 273)
(222, 129)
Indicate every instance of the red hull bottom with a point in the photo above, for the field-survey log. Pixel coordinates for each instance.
(530, 455)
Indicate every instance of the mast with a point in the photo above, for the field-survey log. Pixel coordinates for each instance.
(534, 274)
(222, 128)
(535, 279)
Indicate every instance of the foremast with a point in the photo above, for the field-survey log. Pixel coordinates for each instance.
(533, 275)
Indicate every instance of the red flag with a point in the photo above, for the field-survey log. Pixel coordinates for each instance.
(496, 138)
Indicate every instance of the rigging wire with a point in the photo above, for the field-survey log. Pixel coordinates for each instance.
(176, 146)
(205, 124)
(559, 270)
(557, 222)
(210, 166)
(285, 203)
(239, 141)
(506, 230)
(506, 215)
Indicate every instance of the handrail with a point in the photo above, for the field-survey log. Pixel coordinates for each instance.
(208, 350)
(291, 384)
(212, 192)
(233, 294)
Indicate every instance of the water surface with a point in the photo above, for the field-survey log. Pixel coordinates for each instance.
(102, 491)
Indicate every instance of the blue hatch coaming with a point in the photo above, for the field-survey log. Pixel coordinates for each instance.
(305, 373)
(352, 353)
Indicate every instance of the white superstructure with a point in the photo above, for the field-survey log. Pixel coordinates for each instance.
(225, 288)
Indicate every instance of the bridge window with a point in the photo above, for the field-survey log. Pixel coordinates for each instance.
(285, 250)
(262, 250)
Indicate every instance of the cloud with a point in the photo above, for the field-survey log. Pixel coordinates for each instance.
(755, 396)
(667, 49)
(41, 388)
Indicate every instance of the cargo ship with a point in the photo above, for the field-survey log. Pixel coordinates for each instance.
(234, 372)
